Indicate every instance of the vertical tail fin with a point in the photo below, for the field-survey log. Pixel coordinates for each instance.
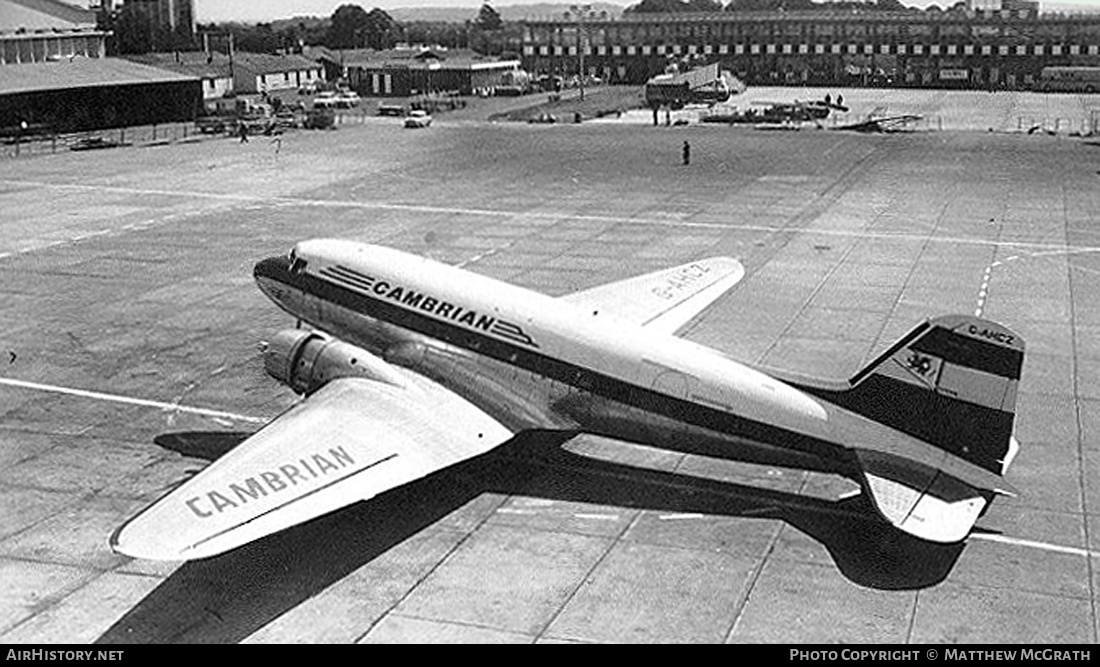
(950, 382)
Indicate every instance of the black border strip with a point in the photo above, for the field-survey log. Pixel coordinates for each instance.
(963, 350)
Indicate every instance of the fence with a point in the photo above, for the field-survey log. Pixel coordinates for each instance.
(1083, 126)
(1024, 124)
(142, 135)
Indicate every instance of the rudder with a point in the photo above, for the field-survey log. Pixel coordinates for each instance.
(951, 382)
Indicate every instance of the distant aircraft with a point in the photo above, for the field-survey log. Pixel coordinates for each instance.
(882, 125)
(765, 112)
(878, 122)
(415, 366)
(703, 85)
(804, 110)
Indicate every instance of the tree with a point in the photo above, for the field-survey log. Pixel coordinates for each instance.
(658, 7)
(704, 6)
(135, 32)
(773, 5)
(488, 19)
(346, 25)
(259, 38)
(451, 35)
(132, 31)
(380, 31)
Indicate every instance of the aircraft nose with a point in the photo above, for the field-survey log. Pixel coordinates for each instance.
(272, 276)
(272, 268)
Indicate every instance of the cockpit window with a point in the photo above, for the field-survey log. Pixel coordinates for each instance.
(297, 265)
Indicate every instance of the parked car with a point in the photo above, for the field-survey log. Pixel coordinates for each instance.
(347, 99)
(418, 118)
(308, 89)
(289, 118)
(93, 143)
(213, 124)
(326, 100)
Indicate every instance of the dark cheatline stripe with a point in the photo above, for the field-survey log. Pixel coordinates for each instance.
(579, 377)
(972, 353)
(972, 432)
(352, 279)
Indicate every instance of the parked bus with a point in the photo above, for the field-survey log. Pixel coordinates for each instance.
(1069, 80)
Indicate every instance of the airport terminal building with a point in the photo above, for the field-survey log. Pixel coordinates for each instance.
(964, 48)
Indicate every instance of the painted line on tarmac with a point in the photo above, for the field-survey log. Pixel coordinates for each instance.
(1045, 546)
(984, 291)
(115, 398)
(415, 208)
(218, 414)
(106, 233)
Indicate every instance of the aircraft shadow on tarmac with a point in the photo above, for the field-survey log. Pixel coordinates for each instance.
(227, 598)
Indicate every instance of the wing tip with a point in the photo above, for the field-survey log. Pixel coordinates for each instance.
(141, 544)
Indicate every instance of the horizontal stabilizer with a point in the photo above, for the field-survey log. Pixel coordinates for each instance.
(921, 501)
(666, 300)
(351, 440)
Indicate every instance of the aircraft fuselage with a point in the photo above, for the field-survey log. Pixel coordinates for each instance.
(533, 361)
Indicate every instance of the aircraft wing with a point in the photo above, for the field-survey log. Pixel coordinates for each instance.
(351, 440)
(666, 300)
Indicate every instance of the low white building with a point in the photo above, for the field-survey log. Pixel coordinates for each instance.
(261, 73)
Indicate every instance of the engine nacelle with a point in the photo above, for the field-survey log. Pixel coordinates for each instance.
(306, 360)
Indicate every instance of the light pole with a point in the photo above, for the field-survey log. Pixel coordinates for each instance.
(581, 12)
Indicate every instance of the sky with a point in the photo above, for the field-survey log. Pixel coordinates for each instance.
(267, 10)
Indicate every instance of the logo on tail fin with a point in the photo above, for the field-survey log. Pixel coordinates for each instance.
(924, 369)
(920, 364)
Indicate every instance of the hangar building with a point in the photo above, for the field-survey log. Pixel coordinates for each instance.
(94, 93)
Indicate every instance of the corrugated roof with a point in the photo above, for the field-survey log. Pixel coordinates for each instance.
(191, 63)
(81, 73)
(53, 8)
(318, 53)
(263, 63)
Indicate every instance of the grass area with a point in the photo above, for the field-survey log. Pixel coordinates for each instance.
(597, 102)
